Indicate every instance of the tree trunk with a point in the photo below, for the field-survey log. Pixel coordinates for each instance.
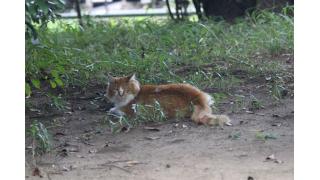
(78, 12)
(197, 6)
(227, 9)
(230, 9)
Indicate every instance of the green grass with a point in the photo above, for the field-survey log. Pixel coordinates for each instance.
(155, 48)
(265, 136)
(40, 138)
(144, 114)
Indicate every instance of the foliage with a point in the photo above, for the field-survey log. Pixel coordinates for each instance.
(40, 12)
(149, 113)
(40, 137)
(57, 102)
(119, 124)
(144, 113)
(265, 136)
(255, 103)
(214, 54)
(235, 136)
(276, 86)
(239, 102)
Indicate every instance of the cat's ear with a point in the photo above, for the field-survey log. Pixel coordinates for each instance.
(110, 78)
(132, 77)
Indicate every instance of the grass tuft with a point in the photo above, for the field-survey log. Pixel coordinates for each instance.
(40, 138)
(144, 114)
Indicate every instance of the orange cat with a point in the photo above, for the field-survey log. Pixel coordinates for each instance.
(174, 99)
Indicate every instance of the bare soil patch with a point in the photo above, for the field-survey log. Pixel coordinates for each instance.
(84, 147)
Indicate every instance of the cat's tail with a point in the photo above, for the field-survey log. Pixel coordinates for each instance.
(212, 119)
(202, 113)
(209, 100)
(220, 120)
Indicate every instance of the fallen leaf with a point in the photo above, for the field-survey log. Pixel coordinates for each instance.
(108, 143)
(63, 153)
(271, 157)
(80, 156)
(243, 122)
(35, 110)
(275, 115)
(151, 128)
(59, 134)
(81, 108)
(152, 138)
(70, 149)
(87, 131)
(125, 129)
(242, 155)
(268, 78)
(92, 151)
(276, 124)
(132, 163)
(250, 112)
(65, 168)
(36, 172)
(278, 161)
(184, 126)
(176, 141)
(68, 107)
(87, 143)
(228, 123)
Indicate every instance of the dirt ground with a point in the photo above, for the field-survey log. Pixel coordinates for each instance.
(85, 148)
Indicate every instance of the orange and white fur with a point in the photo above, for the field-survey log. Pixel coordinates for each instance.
(174, 99)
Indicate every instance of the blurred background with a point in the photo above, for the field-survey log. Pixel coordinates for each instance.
(175, 8)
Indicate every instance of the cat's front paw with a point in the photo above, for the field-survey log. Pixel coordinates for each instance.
(116, 111)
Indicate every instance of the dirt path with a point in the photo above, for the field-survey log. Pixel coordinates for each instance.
(178, 150)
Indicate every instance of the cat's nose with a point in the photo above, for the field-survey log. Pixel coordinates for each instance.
(121, 91)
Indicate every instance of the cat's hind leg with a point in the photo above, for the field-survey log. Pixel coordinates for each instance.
(198, 114)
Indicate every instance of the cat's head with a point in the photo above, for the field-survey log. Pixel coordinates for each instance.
(122, 90)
